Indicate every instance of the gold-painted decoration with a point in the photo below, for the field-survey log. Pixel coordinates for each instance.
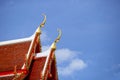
(38, 30)
(44, 21)
(59, 36)
(15, 69)
(42, 24)
(18, 76)
(53, 46)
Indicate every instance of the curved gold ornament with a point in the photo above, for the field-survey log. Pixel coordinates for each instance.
(44, 21)
(59, 36)
(53, 46)
(42, 24)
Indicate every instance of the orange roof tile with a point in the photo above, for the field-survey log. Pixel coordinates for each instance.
(13, 54)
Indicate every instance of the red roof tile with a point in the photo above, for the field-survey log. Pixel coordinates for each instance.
(13, 54)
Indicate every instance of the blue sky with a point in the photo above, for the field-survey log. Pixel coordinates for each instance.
(90, 45)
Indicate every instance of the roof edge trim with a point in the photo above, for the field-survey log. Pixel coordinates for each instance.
(15, 41)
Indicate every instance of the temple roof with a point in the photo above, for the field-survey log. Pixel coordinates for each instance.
(23, 59)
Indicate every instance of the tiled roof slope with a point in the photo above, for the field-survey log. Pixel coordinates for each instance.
(13, 54)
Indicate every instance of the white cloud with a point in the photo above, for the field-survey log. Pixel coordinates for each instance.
(65, 54)
(68, 61)
(75, 65)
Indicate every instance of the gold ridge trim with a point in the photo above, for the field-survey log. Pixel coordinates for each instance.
(53, 46)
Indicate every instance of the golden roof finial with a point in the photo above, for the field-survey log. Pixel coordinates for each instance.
(59, 36)
(44, 21)
(53, 46)
(42, 24)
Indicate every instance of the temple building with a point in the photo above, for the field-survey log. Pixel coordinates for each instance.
(23, 59)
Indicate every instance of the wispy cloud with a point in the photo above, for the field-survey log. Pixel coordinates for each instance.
(74, 65)
(44, 37)
(68, 62)
(65, 54)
